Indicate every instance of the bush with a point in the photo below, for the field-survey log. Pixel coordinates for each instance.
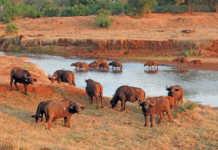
(28, 11)
(50, 12)
(66, 12)
(80, 10)
(172, 8)
(102, 20)
(187, 106)
(117, 8)
(9, 11)
(11, 28)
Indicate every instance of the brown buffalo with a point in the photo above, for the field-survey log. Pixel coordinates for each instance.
(177, 92)
(19, 75)
(155, 106)
(94, 90)
(61, 109)
(81, 66)
(116, 64)
(152, 65)
(41, 110)
(196, 62)
(63, 76)
(98, 64)
(127, 93)
(103, 66)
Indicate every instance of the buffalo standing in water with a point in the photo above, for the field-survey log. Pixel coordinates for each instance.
(127, 93)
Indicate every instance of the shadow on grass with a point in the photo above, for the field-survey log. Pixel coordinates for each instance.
(23, 115)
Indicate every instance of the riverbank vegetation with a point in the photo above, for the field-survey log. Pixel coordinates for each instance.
(11, 9)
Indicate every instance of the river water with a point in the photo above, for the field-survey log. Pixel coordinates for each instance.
(199, 85)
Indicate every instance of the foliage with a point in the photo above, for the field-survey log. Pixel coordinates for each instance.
(9, 11)
(11, 28)
(117, 8)
(138, 7)
(192, 52)
(172, 8)
(50, 12)
(102, 20)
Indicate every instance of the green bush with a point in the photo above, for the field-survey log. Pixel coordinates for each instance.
(80, 10)
(172, 8)
(28, 11)
(50, 12)
(11, 28)
(66, 12)
(9, 11)
(117, 8)
(102, 20)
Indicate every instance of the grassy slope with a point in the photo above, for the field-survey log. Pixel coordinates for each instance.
(103, 128)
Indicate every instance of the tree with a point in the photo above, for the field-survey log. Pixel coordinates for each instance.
(139, 7)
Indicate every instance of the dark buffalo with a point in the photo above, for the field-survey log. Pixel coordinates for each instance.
(63, 76)
(41, 110)
(116, 64)
(94, 90)
(61, 109)
(177, 92)
(19, 75)
(155, 106)
(127, 93)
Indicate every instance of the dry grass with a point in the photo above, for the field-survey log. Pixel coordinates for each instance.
(104, 128)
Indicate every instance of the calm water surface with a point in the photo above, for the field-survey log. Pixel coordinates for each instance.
(199, 85)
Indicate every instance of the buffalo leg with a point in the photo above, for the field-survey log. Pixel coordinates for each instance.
(65, 121)
(161, 117)
(91, 100)
(15, 83)
(146, 120)
(97, 101)
(25, 89)
(50, 122)
(169, 115)
(11, 83)
(152, 120)
(122, 105)
(102, 103)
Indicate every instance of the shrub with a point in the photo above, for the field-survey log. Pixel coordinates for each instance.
(11, 28)
(66, 12)
(187, 106)
(9, 11)
(117, 8)
(102, 20)
(50, 12)
(192, 52)
(80, 10)
(172, 8)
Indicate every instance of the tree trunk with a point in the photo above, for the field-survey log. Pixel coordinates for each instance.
(189, 7)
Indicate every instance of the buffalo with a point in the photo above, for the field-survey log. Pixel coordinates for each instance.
(152, 65)
(94, 90)
(63, 76)
(116, 64)
(103, 66)
(19, 75)
(61, 109)
(41, 110)
(196, 62)
(99, 64)
(81, 66)
(155, 106)
(127, 93)
(177, 93)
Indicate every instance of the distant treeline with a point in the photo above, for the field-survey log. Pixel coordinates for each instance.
(9, 9)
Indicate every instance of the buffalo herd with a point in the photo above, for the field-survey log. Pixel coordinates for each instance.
(51, 110)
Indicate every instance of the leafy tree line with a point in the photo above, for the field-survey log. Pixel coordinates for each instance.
(9, 9)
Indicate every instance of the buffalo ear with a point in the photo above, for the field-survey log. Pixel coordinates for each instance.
(35, 80)
(168, 88)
